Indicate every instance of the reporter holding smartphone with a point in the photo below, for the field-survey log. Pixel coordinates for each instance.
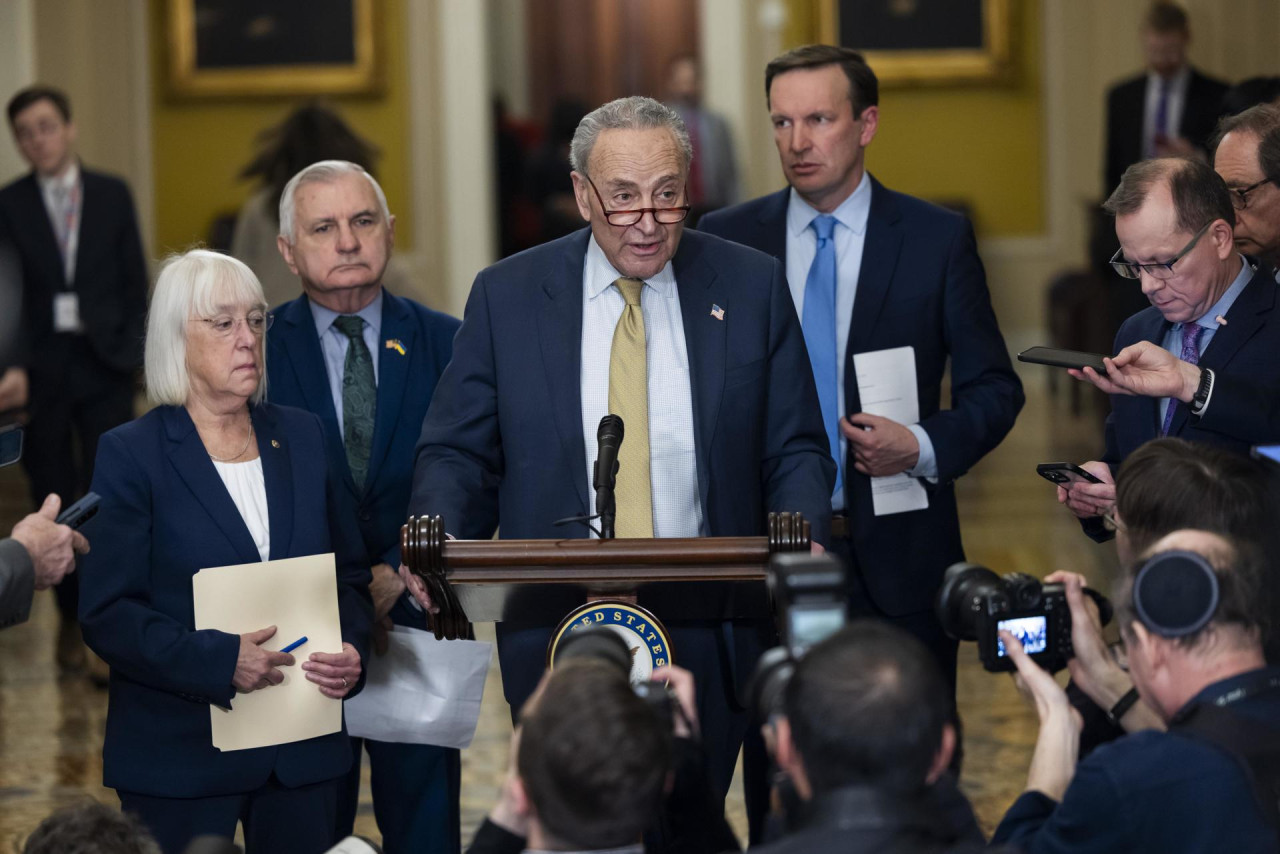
(37, 555)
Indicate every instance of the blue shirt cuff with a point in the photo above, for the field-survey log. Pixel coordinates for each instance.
(927, 464)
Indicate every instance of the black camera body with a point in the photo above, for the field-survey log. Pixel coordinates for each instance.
(600, 644)
(974, 604)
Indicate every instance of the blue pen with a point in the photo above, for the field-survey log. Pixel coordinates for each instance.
(299, 642)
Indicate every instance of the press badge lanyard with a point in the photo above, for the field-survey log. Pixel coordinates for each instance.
(66, 303)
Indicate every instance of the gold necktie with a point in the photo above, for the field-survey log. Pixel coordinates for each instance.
(629, 400)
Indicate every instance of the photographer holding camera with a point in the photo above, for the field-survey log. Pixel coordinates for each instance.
(1191, 615)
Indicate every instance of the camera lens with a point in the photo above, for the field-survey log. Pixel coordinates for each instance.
(965, 586)
(599, 644)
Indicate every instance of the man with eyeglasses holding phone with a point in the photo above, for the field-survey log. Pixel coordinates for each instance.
(1196, 362)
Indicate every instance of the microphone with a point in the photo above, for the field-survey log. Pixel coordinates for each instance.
(608, 440)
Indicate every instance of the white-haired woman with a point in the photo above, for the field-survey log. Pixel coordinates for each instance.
(213, 476)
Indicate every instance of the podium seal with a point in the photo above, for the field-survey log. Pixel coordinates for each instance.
(643, 633)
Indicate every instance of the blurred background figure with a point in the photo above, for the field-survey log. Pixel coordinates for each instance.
(548, 182)
(713, 174)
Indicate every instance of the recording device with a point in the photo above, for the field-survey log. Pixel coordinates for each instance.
(974, 603)
(10, 445)
(604, 477)
(80, 512)
(1062, 473)
(810, 603)
(1056, 358)
(600, 644)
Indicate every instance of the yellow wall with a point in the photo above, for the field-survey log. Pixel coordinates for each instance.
(978, 144)
(201, 145)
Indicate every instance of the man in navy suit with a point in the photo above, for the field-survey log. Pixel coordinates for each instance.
(84, 287)
(366, 362)
(1200, 363)
(717, 379)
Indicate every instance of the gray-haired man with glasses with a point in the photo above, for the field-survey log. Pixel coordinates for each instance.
(1199, 362)
(1246, 153)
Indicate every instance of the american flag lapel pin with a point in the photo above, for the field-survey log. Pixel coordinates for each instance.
(394, 344)
(717, 312)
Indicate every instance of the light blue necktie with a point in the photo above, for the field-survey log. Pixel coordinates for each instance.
(820, 333)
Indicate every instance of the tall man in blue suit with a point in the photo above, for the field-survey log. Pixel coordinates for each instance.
(870, 269)
(366, 362)
(692, 340)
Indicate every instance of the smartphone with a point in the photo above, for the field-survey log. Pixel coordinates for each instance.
(10, 445)
(1064, 473)
(80, 512)
(1063, 358)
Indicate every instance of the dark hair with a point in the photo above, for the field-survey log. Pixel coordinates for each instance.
(1200, 196)
(1165, 16)
(1260, 120)
(1250, 93)
(593, 757)
(311, 133)
(867, 706)
(90, 828)
(864, 88)
(30, 95)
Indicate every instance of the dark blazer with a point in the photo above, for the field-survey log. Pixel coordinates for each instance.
(502, 441)
(297, 377)
(1126, 110)
(165, 514)
(111, 275)
(921, 284)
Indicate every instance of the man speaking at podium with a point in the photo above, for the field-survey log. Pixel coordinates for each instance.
(693, 341)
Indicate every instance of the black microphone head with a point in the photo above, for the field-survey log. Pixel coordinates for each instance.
(611, 427)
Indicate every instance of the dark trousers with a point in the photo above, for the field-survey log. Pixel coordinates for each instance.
(276, 819)
(75, 398)
(415, 789)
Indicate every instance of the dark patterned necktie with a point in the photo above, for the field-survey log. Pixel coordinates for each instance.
(1190, 353)
(359, 397)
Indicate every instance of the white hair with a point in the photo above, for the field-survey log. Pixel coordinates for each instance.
(323, 172)
(194, 284)
(634, 113)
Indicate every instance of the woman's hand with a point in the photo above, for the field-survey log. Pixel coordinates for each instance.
(255, 666)
(335, 673)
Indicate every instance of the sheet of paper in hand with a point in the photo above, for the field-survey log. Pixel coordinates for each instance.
(887, 387)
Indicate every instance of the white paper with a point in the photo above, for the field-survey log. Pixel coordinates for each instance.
(299, 596)
(422, 691)
(887, 387)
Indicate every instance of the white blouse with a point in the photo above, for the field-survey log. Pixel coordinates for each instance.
(249, 492)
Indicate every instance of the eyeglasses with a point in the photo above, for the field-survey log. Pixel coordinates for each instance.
(1160, 269)
(666, 216)
(224, 325)
(1240, 198)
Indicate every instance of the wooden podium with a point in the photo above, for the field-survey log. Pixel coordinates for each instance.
(702, 578)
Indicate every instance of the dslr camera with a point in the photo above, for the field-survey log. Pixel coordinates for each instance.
(974, 604)
(810, 603)
(601, 644)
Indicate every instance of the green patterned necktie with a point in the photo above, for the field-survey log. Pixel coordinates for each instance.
(359, 397)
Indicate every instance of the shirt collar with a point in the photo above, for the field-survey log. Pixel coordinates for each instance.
(370, 314)
(601, 274)
(1177, 83)
(65, 181)
(1209, 320)
(852, 213)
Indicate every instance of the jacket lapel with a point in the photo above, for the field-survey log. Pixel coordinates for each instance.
(560, 339)
(273, 448)
(393, 375)
(880, 251)
(771, 234)
(90, 226)
(41, 230)
(706, 340)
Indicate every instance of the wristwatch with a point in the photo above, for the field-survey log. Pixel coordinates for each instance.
(1200, 399)
(1122, 707)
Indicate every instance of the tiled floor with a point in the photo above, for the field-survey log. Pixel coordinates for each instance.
(51, 728)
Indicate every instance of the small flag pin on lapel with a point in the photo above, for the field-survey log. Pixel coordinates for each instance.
(275, 443)
(394, 344)
(717, 312)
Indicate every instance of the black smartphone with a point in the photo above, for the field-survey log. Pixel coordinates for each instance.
(1064, 473)
(1062, 358)
(80, 512)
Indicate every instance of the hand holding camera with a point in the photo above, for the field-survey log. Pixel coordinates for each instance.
(1054, 761)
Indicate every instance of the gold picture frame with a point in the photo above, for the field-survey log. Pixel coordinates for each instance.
(992, 63)
(187, 79)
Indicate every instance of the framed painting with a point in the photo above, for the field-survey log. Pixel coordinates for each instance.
(239, 48)
(925, 42)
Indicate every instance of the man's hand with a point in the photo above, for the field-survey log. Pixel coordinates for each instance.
(418, 590)
(1087, 500)
(335, 672)
(53, 547)
(880, 447)
(1054, 762)
(680, 681)
(386, 587)
(13, 389)
(255, 666)
(1146, 370)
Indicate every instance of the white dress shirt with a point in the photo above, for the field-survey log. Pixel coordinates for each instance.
(850, 237)
(673, 466)
(334, 343)
(57, 193)
(1177, 101)
(248, 490)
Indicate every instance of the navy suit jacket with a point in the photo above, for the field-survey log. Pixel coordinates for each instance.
(922, 285)
(297, 377)
(502, 441)
(111, 274)
(165, 514)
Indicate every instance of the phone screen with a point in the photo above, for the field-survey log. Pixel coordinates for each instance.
(1268, 452)
(1032, 632)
